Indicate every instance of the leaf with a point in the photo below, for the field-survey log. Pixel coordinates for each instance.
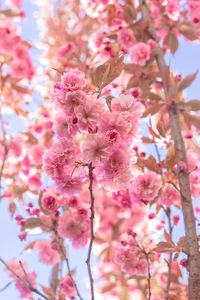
(161, 128)
(168, 238)
(150, 163)
(153, 133)
(194, 119)
(171, 157)
(133, 82)
(187, 29)
(9, 13)
(12, 208)
(131, 68)
(193, 105)
(107, 72)
(30, 246)
(152, 110)
(164, 247)
(32, 223)
(166, 78)
(129, 13)
(48, 291)
(186, 82)
(147, 140)
(171, 41)
(107, 288)
(154, 97)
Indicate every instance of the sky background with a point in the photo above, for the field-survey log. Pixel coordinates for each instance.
(185, 61)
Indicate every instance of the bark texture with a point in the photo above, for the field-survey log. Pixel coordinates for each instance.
(183, 176)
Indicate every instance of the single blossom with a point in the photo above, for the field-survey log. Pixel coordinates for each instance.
(140, 53)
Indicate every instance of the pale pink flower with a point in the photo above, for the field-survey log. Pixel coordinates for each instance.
(126, 38)
(75, 227)
(16, 3)
(127, 257)
(140, 53)
(123, 199)
(145, 187)
(115, 120)
(48, 255)
(21, 52)
(170, 197)
(73, 80)
(116, 163)
(65, 126)
(66, 49)
(95, 148)
(67, 287)
(23, 290)
(90, 113)
(172, 9)
(71, 100)
(19, 68)
(127, 103)
(36, 154)
(58, 157)
(34, 182)
(49, 202)
(65, 184)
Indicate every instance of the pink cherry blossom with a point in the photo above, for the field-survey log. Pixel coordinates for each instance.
(170, 197)
(95, 148)
(74, 227)
(47, 254)
(67, 287)
(126, 38)
(71, 100)
(34, 182)
(49, 202)
(36, 154)
(73, 80)
(65, 184)
(172, 9)
(140, 53)
(57, 157)
(19, 68)
(145, 187)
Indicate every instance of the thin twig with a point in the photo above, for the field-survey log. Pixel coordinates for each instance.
(90, 167)
(149, 275)
(169, 263)
(68, 268)
(3, 164)
(26, 283)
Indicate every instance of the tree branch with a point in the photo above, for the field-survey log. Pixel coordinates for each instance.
(26, 282)
(183, 176)
(169, 263)
(90, 167)
(68, 267)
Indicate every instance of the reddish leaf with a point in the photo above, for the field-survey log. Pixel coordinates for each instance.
(188, 30)
(150, 163)
(194, 119)
(186, 82)
(32, 223)
(164, 247)
(166, 78)
(171, 41)
(193, 105)
(109, 71)
(147, 140)
(48, 291)
(161, 128)
(130, 13)
(12, 208)
(152, 110)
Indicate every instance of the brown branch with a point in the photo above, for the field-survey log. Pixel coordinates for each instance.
(169, 263)
(183, 176)
(26, 282)
(90, 167)
(3, 164)
(149, 275)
